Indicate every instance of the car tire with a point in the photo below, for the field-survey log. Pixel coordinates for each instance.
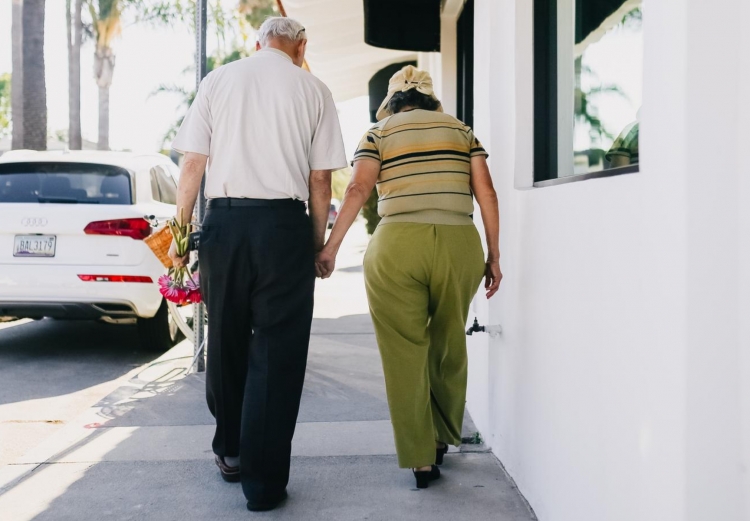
(158, 333)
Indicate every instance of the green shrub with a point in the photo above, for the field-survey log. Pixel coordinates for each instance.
(370, 212)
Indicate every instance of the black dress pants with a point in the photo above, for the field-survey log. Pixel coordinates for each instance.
(258, 276)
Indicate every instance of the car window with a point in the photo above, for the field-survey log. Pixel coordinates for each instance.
(154, 186)
(166, 188)
(77, 183)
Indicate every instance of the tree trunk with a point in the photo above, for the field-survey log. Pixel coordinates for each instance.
(103, 143)
(34, 85)
(16, 81)
(104, 68)
(75, 33)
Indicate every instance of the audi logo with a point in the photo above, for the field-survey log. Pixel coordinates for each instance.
(34, 221)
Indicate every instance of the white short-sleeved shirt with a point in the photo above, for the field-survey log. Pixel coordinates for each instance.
(264, 123)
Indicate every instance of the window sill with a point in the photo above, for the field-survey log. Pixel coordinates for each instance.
(583, 177)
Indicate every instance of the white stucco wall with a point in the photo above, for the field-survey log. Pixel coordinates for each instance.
(743, 114)
(620, 387)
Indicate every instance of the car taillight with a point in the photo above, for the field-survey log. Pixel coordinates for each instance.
(137, 229)
(115, 278)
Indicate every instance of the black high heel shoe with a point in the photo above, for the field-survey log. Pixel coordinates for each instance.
(439, 453)
(425, 476)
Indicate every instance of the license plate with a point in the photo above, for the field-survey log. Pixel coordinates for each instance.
(34, 246)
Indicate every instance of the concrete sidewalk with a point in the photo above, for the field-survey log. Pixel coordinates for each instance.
(144, 452)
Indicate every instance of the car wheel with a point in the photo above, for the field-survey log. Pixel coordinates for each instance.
(160, 332)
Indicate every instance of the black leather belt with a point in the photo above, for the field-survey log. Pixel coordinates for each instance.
(228, 202)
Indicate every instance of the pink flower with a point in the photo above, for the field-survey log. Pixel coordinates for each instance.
(172, 291)
(186, 293)
(194, 296)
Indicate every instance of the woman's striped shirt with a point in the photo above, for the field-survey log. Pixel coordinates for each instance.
(425, 167)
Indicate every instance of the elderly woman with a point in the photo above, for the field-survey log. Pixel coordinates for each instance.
(425, 261)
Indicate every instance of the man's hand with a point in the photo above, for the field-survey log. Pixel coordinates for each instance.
(325, 262)
(492, 277)
(177, 261)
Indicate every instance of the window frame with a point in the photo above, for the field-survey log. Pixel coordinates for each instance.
(465, 64)
(546, 131)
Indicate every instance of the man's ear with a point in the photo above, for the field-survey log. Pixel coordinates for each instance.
(257, 46)
(301, 49)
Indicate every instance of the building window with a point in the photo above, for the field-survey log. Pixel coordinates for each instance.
(587, 87)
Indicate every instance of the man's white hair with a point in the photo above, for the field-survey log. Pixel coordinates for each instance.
(281, 27)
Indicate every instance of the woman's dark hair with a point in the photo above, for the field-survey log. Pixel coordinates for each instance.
(411, 98)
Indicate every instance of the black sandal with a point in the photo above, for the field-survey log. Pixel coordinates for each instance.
(425, 476)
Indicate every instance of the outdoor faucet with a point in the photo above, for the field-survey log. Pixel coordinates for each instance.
(493, 331)
(475, 328)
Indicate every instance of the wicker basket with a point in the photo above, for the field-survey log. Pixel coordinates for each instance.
(159, 242)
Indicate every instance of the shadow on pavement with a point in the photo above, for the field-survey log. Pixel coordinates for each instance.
(51, 358)
(154, 461)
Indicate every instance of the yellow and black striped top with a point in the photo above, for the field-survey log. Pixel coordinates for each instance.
(425, 167)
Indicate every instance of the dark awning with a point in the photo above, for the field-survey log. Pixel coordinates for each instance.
(378, 86)
(407, 25)
(591, 14)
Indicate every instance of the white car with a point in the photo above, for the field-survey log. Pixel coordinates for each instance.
(71, 238)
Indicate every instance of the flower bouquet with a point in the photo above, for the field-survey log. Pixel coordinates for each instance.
(179, 285)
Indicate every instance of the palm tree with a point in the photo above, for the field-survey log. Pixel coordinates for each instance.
(106, 17)
(75, 34)
(255, 12)
(16, 90)
(34, 85)
(4, 104)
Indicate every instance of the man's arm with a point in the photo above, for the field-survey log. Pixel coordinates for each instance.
(320, 205)
(191, 174)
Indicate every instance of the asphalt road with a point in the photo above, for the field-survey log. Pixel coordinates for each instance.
(51, 371)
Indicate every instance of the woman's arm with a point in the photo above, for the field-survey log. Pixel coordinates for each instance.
(484, 191)
(360, 187)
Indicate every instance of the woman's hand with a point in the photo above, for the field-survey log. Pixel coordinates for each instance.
(492, 277)
(359, 189)
(325, 262)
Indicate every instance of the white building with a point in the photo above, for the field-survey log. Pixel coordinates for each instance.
(620, 386)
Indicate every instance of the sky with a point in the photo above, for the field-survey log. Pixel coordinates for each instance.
(147, 57)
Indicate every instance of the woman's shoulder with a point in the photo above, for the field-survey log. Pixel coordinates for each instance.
(420, 117)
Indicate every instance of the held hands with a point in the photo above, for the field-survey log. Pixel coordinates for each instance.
(325, 262)
(492, 277)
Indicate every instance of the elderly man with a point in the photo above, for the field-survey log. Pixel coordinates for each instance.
(269, 134)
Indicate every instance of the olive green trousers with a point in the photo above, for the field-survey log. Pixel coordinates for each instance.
(420, 281)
